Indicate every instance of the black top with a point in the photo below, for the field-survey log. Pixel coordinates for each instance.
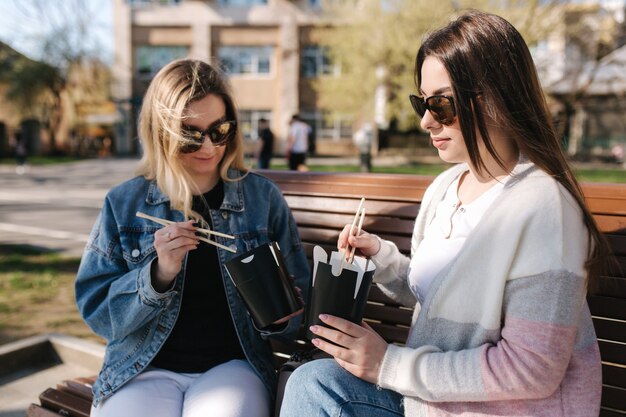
(204, 334)
(267, 137)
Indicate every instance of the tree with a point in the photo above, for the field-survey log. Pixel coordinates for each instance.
(70, 71)
(375, 43)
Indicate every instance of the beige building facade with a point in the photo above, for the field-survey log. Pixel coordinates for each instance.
(269, 49)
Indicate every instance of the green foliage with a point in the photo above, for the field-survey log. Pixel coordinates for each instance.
(375, 44)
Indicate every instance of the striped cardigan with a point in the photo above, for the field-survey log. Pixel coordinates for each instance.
(504, 329)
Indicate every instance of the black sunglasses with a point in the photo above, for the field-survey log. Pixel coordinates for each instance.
(440, 106)
(219, 133)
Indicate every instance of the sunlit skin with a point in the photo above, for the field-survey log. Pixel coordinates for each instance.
(174, 241)
(203, 165)
(360, 349)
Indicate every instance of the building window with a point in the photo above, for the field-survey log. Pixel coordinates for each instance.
(326, 126)
(314, 61)
(150, 59)
(249, 122)
(246, 59)
(241, 3)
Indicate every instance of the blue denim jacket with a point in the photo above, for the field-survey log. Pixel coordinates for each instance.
(113, 288)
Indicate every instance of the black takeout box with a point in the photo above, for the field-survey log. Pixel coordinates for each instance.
(339, 294)
(262, 279)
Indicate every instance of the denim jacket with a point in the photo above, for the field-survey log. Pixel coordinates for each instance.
(113, 287)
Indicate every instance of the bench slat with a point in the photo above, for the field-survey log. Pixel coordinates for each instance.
(65, 403)
(35, 410)
(387, 314)
(614, 375)
(612, 352)
(610, 307)
(336, 222)
(614, 398)
(321, 205)
(610, 330)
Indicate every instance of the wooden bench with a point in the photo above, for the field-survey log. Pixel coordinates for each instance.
(323, 202)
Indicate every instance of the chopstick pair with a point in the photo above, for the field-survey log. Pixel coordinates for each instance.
(165, 222)
(358, 217)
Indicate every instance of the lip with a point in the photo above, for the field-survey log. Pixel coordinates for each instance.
(440, 143)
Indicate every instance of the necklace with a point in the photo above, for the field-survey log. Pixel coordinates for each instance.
(448, 226)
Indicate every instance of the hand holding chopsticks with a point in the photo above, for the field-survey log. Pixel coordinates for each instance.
(207, 232)
(359, 216)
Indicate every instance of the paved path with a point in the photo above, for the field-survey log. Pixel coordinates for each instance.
(55, 206)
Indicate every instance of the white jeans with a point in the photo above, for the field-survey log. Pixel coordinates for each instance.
(231, 389)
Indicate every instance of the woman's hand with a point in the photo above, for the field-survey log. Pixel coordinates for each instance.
(172, 244)
(357, 349)
(366, 244)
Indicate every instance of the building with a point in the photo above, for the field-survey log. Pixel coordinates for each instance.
(269, 48)
(582, 65)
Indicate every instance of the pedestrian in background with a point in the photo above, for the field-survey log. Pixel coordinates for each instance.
(266, 148)
(297, 143)
(180, 341)
(21, 153)
(502, 254)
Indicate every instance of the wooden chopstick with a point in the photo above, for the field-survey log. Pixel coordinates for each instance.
(165, 222)
(358, 232)
(356, 217)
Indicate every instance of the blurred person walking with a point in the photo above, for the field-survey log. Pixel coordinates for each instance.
(298, 143)
(266, 147)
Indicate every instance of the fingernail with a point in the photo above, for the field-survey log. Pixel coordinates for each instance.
(323, 316)
(195, 224)
(313, 329)
(316, 342)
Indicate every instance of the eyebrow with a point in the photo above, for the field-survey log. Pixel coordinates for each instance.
(438, 91)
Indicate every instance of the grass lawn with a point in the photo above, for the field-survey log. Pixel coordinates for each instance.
(610, 174)
(37, 294)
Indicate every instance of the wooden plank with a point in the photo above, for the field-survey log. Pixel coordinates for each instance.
(613, 224)
(610, 329)
(392, 334)
(617, 243)
(330, 204)
(604, 412)
(609, 307)
(614, 375)
(77, 388)
(35, 410)
(612, 287)
(378, 296)
(387, 314)
(612, 352)
(372, 223)
(614, 398)
(65, 403)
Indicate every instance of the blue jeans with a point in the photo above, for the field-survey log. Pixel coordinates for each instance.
(321, 388)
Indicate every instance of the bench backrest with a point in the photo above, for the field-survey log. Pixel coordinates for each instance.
(322, 203)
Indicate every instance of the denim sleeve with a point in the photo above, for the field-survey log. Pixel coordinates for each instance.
(113, 299)
(283, 229)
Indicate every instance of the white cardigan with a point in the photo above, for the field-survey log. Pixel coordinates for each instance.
(505, 328)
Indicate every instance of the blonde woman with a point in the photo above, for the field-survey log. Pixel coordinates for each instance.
(179, 339)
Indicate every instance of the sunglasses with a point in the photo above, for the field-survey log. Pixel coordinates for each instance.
(219, 134)
(441, 107)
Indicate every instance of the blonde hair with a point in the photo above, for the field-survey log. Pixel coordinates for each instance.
(161, 118)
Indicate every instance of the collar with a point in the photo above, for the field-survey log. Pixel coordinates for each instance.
(233, 192)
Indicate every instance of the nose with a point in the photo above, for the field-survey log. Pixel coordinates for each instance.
(207, 145)
(428, 121)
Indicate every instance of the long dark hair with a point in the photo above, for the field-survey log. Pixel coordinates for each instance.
(493, 76)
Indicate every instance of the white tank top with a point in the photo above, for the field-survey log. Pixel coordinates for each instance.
(445, 235)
